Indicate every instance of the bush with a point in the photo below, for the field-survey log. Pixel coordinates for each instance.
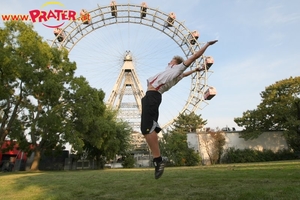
(192, 158)
(128, 161)
(233, 155)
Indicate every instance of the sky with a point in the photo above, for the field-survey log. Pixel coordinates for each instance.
(258, 45)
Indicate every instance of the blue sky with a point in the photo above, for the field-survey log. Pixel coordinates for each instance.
(258, 45)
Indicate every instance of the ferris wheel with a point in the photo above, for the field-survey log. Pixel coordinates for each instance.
(103, 41)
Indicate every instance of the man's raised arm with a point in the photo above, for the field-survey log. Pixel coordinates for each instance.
(199, 53)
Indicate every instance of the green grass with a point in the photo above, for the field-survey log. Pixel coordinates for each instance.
(270, 180)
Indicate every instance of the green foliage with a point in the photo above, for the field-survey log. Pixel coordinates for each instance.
(44, 105)
(128, 161)
(279, 110)
(32, 77)
(99, 134)
(175, 147)
(191, 158)
(188, 123)
(233, 155)
(86, 109)
(116, 142)
(174, 144)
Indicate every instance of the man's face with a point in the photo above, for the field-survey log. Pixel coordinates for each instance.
(172, 62)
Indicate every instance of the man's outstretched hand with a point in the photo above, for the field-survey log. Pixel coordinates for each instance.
(212, 42)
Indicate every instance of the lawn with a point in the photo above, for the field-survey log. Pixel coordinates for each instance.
(270, 180)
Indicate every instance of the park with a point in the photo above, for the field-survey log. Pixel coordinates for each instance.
(62, 132)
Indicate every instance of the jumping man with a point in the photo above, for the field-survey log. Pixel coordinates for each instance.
(157, 85)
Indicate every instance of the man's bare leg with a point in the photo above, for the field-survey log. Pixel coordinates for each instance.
(159, 164)
(152, 140)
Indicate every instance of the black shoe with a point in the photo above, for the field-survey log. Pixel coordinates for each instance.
(159, 169)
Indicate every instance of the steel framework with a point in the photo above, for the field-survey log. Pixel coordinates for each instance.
(130, 13)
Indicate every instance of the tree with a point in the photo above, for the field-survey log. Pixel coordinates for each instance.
(33, 77)
(279, 110)
(128, 160)
(96, 130)
(213, 142)
(218, 145)
(174, 144)
(11, 93)
(86, 109)
(188, 123)
(115, 142)
(42, 105)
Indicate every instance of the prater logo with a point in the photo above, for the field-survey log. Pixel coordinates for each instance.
(44, 16)
(59, 15)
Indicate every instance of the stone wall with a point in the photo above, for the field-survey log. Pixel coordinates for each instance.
(201, 142)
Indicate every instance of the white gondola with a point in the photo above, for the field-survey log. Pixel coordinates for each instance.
(193, 37)
(113, 6)
(171, 19)
(60, 35)
(209, 61)
(210, 93)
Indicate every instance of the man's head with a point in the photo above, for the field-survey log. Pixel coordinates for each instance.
(176, 60)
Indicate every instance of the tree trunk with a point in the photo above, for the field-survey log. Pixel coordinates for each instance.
(6, 122)
(3, 134)
(36, 160)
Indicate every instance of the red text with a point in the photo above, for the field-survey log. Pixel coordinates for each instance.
(43, 16)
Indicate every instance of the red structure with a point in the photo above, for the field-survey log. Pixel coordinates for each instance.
(9, 154)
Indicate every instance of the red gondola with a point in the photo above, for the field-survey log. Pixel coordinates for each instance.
(85, 16)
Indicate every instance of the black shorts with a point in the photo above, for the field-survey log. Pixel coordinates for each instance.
(150, 107)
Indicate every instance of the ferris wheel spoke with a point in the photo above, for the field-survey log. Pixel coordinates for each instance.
(100, 48)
